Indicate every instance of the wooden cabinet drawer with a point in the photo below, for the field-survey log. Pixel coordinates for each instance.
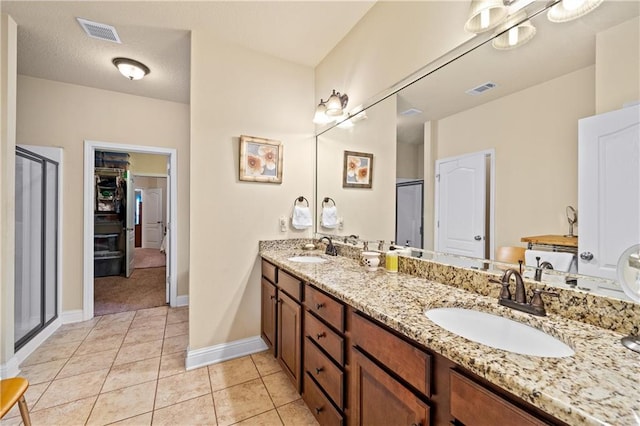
(407, 361)
(325, 337)
(326, 373)
(290, 285)
(320, 406)
(269, 271)
(325, 307)
(473, 404)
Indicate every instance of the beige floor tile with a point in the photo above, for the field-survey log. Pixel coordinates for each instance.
(175, 344)
(79, 364)
(47, 353)
(73, 388)
(266, 363)
(182, 387)
(141, 420)
(154, 321)
(72, 413)
(176, 329)
(241, 402)
(33, 394)
(122, 404)
(100, 345)
(125, 317)
(139, 351)
(143, 334)
(270, 418)
(124, 375)
(197, 411)
(68, 336)
(297, 413)
(106, 333)
(14, 421)
(172, 364)
(177, 315)
(280, 388)
(234, 372)
(78, 325)
(45, 372)
(151, 312)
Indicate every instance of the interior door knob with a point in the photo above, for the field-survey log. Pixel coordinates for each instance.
(586, 255)
(477, 237)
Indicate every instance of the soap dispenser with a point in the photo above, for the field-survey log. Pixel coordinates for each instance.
(391, 260)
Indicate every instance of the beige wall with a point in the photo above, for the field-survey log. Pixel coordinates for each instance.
(393, 40)
(618, 66)
(535, 136)
(235, 91)
(8, 67)
(368, 213)
(148, 163)
(410, 161)
(64, 115)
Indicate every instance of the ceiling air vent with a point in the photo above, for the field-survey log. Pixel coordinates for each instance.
(99, 31)
(481, 89)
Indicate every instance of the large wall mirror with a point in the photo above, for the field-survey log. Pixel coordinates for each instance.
(509, 120)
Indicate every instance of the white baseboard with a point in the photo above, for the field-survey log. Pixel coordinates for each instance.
(10, 368)
(68, 317)
(37, 340)
(182, 301)
(223, 352)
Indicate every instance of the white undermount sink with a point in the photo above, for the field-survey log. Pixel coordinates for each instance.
(307, 259)
(499, 332)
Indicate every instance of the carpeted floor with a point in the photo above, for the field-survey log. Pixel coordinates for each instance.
(149, 258)
(144, 289)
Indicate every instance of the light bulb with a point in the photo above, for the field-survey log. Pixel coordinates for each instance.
(513, 36)
(572, 4)
(484, 18)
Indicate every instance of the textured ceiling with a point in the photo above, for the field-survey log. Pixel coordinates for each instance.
(52, 45)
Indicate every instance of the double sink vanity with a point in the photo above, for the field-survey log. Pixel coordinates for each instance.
(367, 348)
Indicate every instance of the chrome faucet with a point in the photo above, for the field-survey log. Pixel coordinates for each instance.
(535, 307)
(331, 249)
(540, 267)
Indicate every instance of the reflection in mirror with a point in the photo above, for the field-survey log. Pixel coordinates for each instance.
(525, 105)
(629, 276)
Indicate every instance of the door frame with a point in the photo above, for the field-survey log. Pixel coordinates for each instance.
(90, 147)
(490, 155)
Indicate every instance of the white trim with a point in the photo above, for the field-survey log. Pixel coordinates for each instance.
(69, 317)
(223, 352)
(10, 368)
(37, 340)
(182, 300)
(89, 163)
(158, 175)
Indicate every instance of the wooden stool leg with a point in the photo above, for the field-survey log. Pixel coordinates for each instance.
(24, 411)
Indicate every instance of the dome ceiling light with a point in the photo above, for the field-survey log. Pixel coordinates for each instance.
(131, 69)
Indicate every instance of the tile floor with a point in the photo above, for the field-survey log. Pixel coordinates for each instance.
(128, 369)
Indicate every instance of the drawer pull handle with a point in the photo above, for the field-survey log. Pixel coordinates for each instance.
(319, 305)
(272, 297)
(319, 370)
(321, 335)
(318, 410)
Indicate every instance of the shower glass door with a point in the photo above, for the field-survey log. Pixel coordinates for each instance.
(36, 244)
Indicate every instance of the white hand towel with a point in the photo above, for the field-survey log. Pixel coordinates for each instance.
(560, 261)
(329, 217)
(301, 218)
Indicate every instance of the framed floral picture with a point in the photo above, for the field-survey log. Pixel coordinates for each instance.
(260, 160)
(358, 170)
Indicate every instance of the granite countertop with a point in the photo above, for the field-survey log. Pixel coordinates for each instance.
(598, 385)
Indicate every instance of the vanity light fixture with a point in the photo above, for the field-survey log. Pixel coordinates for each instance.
(485, 15)
(130, 68)
(331, 109)
(568, 10)
(515, 35)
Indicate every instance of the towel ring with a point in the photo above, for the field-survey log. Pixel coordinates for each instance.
(299, 200)
(326, 200)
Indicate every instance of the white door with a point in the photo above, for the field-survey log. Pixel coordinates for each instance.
(460, 198)
(608, 189)
(130, 222)
(409, 213)
(152, 223)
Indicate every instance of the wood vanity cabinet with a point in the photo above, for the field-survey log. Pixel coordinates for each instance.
(268, 303)
(324, 356)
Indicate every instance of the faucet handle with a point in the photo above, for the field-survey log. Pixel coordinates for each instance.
(504, 293)
(536, 299)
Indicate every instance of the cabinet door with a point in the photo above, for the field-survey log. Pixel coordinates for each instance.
(378, 399)
(290, 338)
(268, 318)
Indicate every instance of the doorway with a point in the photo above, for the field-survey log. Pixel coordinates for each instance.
(171, 217)
(464, 205)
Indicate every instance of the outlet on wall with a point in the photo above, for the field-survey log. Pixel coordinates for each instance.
(340, 223)
(283, 224)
